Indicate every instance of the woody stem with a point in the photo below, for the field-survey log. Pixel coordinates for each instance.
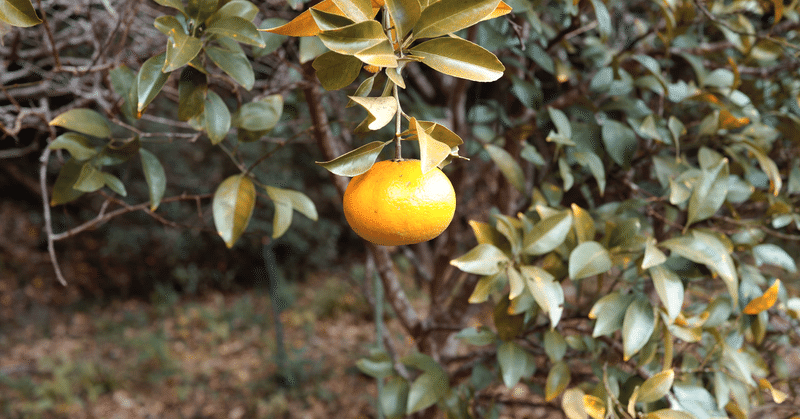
(398, 127)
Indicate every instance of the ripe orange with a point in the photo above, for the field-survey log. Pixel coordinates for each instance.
(393, 203)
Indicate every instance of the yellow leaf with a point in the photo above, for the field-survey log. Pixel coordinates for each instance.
(304, 24)
(777, 395)
(501, 10)
(778, 5)
(765, 301)
(728, 121)
(594, 406)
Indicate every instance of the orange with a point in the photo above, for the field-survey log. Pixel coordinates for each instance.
(393, 203)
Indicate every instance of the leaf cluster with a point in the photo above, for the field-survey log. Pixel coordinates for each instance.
(203, 34)
(383, 37)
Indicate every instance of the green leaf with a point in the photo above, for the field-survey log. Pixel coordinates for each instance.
(382, 110)
(584, 224)
(509, 167)
(155, 177)
(566, 173)
(175, 4)
(440, 133)
(329, 21)
(515, 363)
(356, 10)
(336, 71)
(609, 312)
(595, 165)
(767, 165)
(709, 192)
(271, 40)
(114, 183)
(240, 8)
(363, 90)
(233, 206)
(554, 345)
(311, 47)
(233, 62)
(292, 200)
(603, 18)
(448, 16)
(117, 152)
(669, 414)
(483, 289)
(393, 73)
(572, 404)
(432, 152)
(718, 311)
(260, 115)
(394, 398)
(355, 162)
(150, 80)
(63, 191)
(620, 142)
(217, 118)
(546, 291)
(653, 256)
(89, 179)
(282, 218)
(181, 48)
(707, 249)
(548, 233)
(483, 259)
(85, 121)
(515, 282)
(557, 380)
(123, 80)
(377, 365)
(382, 55)
(19, 13)
(78, 146)
(676, 128)
(775, 255)
(192, 89)
(238, 29)
(656, 387)
(354, 38)
(200, 10)
(587, 259)
(669, 289)
(404, 14)
(426, 390)
(459, 58)
(637, 326)
(561, 122)
(477, 337)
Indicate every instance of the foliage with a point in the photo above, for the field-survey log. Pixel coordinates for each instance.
(633, 186)
(666, 264)
(215, 30)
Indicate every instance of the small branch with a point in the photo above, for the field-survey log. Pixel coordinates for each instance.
(398, 148)
(762, 227)
(48, 224)
(103, 217)
(50, 37)
(19, 152)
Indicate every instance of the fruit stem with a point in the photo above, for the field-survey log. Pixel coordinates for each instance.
(398, 127)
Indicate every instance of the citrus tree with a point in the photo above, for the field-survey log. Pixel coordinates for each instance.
(625, 235)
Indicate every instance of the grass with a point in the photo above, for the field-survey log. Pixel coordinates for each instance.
(211, 356)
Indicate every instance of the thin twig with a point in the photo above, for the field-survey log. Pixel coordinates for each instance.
(48, 224)
(49, 33)
(103, 217)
